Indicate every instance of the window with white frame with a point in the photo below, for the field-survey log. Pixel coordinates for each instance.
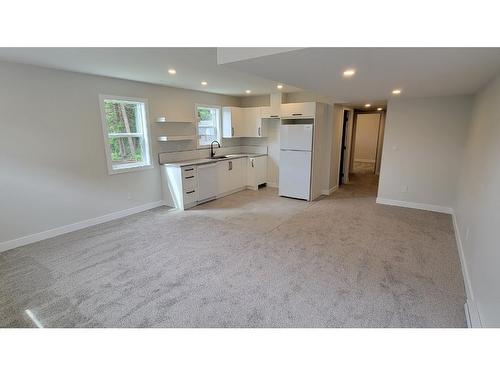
(125, 129)
(208, 124)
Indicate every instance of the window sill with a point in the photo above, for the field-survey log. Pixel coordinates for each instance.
(130, 168)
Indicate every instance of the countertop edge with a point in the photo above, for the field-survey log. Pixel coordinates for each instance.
(186, 163)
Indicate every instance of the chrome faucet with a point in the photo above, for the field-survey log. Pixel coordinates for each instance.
(212, 153)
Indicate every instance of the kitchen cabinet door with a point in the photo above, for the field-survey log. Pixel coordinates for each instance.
(256, 172)
(236, 174)
(252, 122)
(222, 177)
(233, 125)
(270, 112)
(298, 110)
(230, 175)
(261, 170)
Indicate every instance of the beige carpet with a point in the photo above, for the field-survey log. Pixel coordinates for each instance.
(252, 259)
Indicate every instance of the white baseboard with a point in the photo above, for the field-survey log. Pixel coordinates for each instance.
(330, 191)
(471, 311)
(365, 160)
(418, 206)
(272, 184)
(26, 240)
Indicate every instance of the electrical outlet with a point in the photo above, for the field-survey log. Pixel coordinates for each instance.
(404, 189)
(129, 196)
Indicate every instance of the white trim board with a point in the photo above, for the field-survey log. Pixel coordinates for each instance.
(26, 240)
(471, 311)
(418, 206)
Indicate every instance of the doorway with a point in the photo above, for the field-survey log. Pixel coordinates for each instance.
(365, 143)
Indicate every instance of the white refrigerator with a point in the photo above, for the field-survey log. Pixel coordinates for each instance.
(295, 160)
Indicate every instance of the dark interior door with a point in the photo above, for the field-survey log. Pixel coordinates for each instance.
(343, 146)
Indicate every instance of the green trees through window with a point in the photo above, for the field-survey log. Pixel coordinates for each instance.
(125, 124)
(208, 125)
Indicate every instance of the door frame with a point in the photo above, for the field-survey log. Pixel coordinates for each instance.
(343, 146)
(347, 151)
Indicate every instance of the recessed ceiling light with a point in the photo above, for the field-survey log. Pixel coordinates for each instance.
(396, 92)
(379, 108)
(248, 91)
(204, 83)
(279, 87)
(368, 105)
(349, 72)
(172, 71)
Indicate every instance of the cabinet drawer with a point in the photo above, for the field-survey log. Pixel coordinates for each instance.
(189, 183)
(188, 171)
(189, 196)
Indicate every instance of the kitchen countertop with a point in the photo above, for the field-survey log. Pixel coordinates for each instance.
(185, 163)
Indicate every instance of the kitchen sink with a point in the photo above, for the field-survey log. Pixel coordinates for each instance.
(218, 157)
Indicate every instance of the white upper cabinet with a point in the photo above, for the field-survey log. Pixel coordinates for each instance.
(274, 109)
(253, 122)
(270, 112)
(307, 109)
(242, 122)
(232, 122)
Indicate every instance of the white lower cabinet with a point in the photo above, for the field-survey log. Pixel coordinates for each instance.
(185, 187)
(179, 186)
(230, 176)
(256, 171)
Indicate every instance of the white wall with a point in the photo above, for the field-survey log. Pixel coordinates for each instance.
(478, 206)
(367, 131)
(423, 146)
(52, 160)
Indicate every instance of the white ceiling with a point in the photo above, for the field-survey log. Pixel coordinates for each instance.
(419, 72)
(150, 65)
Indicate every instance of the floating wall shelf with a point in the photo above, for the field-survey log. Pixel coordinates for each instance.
(164, 120)
(170, 138)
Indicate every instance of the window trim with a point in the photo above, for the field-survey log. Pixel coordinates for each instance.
(219, 125)
(146, 131)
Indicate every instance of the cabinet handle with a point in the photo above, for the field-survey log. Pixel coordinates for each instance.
(232, 131)
(296, 114)
(252, 163)
(190, 192)
(190, 169)
(230, 166)
(259, 131)
(189, 177)
(274, 116)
